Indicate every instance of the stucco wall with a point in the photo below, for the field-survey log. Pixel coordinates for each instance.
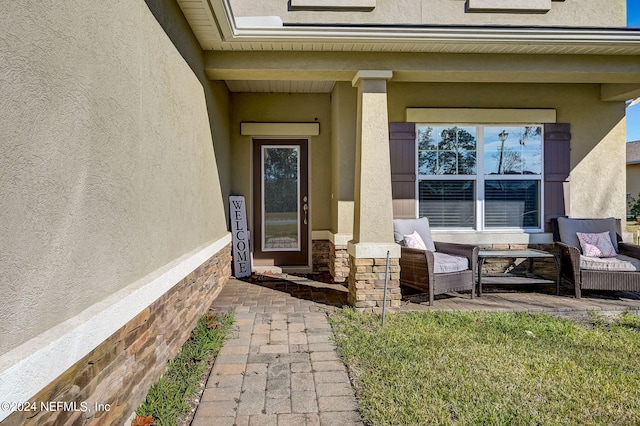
(108, 169)
(583, 13)
(589, 13)
(285, 108)
(633, 180)
(344, 101)
(598, 130)
(598, 156)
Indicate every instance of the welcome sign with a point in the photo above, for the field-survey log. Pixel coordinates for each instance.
(240, 234)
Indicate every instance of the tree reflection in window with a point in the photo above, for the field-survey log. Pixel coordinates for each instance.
(518, 152)
(447, 150)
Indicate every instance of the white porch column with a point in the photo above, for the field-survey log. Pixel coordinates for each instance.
(373, 215)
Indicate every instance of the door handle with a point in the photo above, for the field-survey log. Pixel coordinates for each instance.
(305, 207)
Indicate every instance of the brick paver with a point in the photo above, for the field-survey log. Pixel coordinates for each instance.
(542, 300)
(280, 366)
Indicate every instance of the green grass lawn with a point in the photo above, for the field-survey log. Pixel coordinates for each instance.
(168, 399)
(491, 369)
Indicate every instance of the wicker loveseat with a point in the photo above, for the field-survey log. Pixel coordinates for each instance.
(620, 272)
(442, 268)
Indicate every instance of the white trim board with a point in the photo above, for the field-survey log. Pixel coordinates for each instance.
(27, 369)
(497, 237)
(336, 239)
(279, 129)
(480, 115)
(333, 5)
(540, 6)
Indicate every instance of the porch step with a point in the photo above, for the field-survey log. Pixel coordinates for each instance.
(262, 270)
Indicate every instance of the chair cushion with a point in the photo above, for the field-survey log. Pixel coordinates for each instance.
(445, 263)
(596, 244)
(414, 241)
(568, 229)
(402, 227)
(620, 263)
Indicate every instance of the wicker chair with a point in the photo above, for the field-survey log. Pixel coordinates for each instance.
(619, 273)
(442, 268)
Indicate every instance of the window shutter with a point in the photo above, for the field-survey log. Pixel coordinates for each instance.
(557, 168)
(402, 145)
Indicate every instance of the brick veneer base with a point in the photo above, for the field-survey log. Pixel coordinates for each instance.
(321, 255)
(120, 371)
(366, 284)
(339, 263)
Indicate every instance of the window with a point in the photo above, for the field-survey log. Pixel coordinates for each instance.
(480, 176)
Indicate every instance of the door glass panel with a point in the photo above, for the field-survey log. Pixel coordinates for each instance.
(280, 198)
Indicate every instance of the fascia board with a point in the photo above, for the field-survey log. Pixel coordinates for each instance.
(223, 17)
(459, 35)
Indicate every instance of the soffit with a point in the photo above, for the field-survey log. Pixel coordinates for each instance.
(420, 46)
(202, 21)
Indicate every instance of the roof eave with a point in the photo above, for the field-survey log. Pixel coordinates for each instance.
(607, 40)
(442, 34)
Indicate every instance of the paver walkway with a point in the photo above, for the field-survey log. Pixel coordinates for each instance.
(280, 366)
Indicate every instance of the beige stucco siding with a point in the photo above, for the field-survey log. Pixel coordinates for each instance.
(585, 13)
(633, 180)
(343, 152)
(597, 156)
(285, 108)
(598, 151)
(108, 169)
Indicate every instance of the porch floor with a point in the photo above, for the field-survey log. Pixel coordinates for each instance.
(495, 298)
(503, 300)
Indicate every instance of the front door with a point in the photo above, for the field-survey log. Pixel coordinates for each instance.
(280, 202)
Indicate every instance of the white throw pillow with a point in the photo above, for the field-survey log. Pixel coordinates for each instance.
(414, 241)
(596, 245)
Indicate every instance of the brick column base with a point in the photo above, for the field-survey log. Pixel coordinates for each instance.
(321, 255)
(366, 284)
(339, 263)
